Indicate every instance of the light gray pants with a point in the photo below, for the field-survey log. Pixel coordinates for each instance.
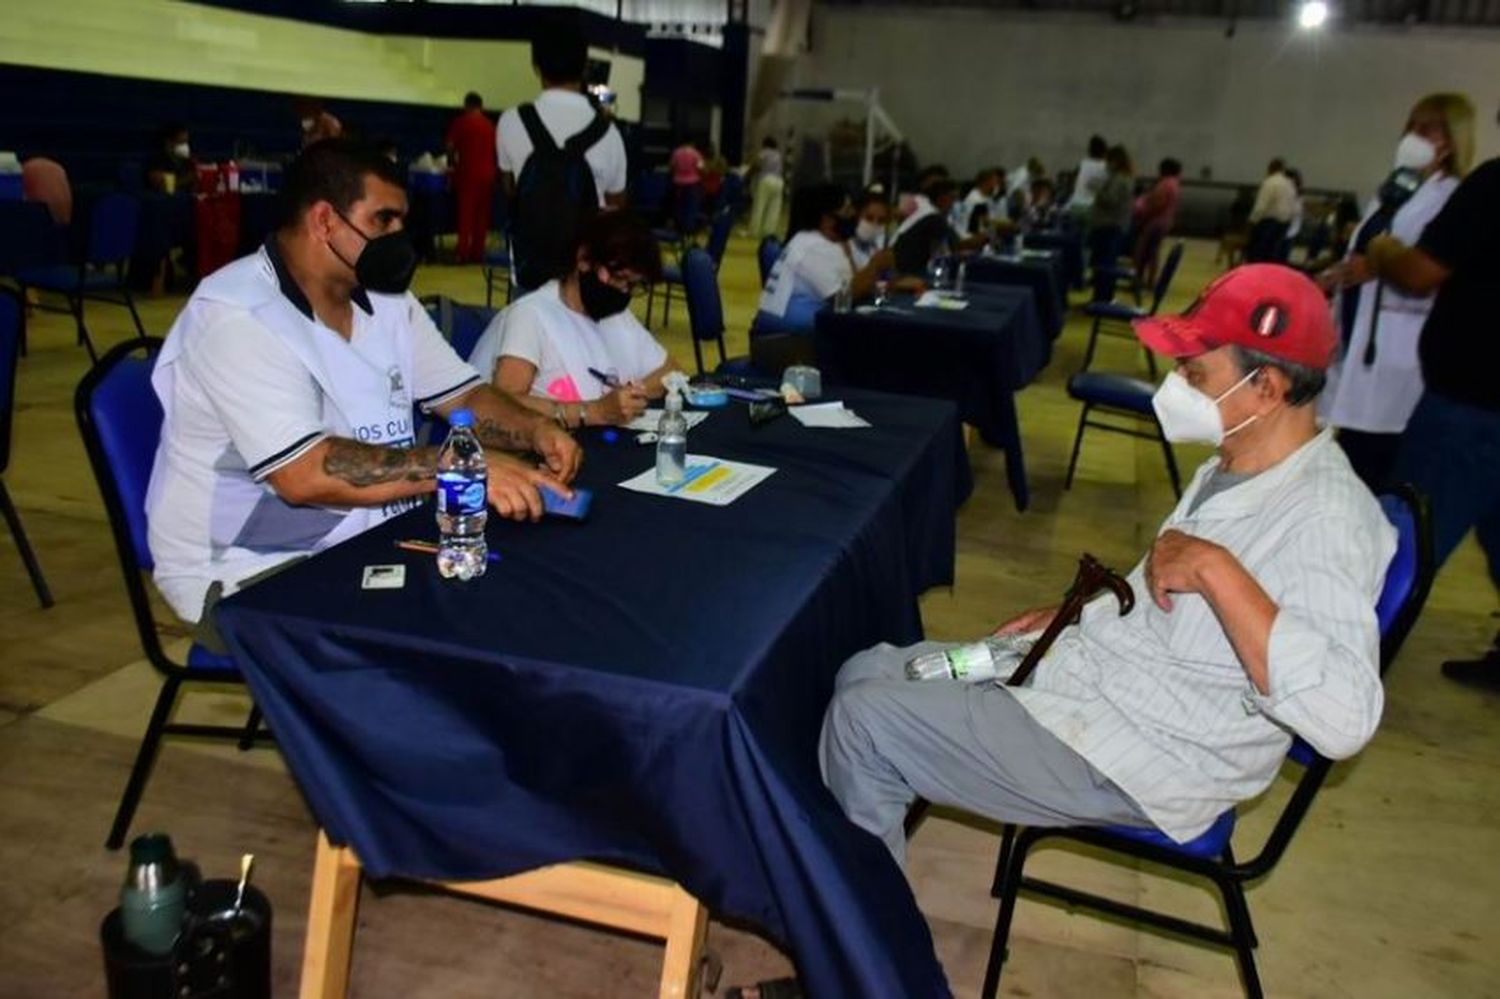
(888, 740)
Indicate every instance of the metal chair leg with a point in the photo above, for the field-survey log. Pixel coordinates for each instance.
(1151, 365)
(1244, 935)
(999, 942)
(698, 353)
(23, 545)
(1083, 418)
(1088, 354)
(666, 309)
(144, 759)
(83, 331)
(1007, 845)
(489, 287)
(252, 727)
(140, 327)
(650, 302)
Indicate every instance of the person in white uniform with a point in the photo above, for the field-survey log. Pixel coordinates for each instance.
(288, 386)
(1255, 620)
(572, 350)
(559, 56)
(1375, 386)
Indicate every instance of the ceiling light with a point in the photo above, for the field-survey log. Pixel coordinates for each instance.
(1312, 14)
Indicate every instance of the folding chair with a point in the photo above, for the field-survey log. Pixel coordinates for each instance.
(113, 222)
(1210, 856)
(120, 419)
(1119, 316)
(12, 324)
(766, 256)
(671, 276)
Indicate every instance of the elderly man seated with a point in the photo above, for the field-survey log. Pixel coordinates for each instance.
(1260, 622)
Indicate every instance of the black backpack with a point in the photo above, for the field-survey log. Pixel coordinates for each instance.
(555, 194)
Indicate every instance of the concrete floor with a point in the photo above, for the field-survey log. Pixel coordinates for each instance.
(1383, 894)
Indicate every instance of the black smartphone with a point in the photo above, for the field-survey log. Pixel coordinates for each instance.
(765, 411)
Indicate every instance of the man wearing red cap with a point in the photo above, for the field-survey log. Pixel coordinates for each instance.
(1260, 622)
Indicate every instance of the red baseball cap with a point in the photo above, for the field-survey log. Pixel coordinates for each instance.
(1264, 307)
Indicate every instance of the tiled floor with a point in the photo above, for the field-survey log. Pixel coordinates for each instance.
(1385, 892)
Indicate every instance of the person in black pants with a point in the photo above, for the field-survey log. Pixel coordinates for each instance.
(1451, 448)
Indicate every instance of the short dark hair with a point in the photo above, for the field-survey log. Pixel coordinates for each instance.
(870, 197)
(1295, 176)
(811, 203)
(621, 240)
(1276, 166)
(940, 187)
(1305, 383)
(928, 174)
(988, 173)
(559, 51)
(1097, 147)
(1170, 167)
(332, 170)
(768, 143)
(473, 100)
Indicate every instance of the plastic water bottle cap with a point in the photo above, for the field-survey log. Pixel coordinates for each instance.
(152, 848)
(461, 418)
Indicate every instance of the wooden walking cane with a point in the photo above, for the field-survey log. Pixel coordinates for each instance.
(1093, 576)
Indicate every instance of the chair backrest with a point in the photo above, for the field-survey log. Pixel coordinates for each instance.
(1408, 578)
(1164, 278)
(12, 321)
(700, 281)
(462, 325)
(718, 235)
(120, 420)
(689, 207)
(113, 221)
(766, 256)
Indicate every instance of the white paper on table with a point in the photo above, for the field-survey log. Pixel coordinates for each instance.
(940, 300)
(651, 417)
(831, 415)
(715, 481)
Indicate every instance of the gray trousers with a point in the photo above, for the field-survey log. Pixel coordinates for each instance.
(888, 740)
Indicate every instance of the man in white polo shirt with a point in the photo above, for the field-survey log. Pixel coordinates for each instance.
(559, 55)
(288, 385)
(1256, 618)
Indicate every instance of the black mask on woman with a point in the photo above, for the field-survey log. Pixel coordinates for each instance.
(386, 264)
(600, 300)
(847, 225)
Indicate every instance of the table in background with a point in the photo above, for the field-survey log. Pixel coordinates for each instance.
(645, 688)
(978, 357)
(1069, 243)
(1039, 270)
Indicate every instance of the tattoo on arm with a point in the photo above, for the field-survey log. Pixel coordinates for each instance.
(363, 465)
(492, 434)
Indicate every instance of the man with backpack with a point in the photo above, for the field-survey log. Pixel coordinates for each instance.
(560, 159)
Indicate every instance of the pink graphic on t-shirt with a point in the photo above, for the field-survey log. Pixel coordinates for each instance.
(563, 390)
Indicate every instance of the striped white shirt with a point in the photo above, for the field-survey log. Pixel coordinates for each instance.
(1159, 702)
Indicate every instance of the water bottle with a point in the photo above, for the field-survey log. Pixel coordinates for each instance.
(462, 477)
(963, 275)
(153, 900)
(983, 660)
(671, 440)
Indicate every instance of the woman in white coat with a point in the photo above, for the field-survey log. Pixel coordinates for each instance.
(1376, 384)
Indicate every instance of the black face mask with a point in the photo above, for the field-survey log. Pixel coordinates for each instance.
(600, 300)
(847, 226)
(386, 264)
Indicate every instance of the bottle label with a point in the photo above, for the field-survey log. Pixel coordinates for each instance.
(969, 659)
(460, 495)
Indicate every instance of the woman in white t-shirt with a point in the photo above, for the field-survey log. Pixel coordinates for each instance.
(816, 263)
(572, 349)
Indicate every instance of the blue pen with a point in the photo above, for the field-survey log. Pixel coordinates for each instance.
(609, 381)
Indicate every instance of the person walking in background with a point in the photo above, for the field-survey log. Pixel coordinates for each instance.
(1377, 383)
(1108, 219)
(770, 186)
(1271, 216)
(1092, 171)
(686, 164)
(170, 166)
(1155, 213)
(471, 151)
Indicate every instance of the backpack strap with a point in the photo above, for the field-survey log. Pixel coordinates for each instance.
(541, 139)
(589, 137)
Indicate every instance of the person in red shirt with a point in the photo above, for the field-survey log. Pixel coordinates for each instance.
(471, 150)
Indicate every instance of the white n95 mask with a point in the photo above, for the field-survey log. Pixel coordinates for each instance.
(1414, 152)
(1188, 416)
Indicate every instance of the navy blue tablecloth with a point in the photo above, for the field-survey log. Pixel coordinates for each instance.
(1041, 272)
(978, 357)
(1067, 242)
(644, 688)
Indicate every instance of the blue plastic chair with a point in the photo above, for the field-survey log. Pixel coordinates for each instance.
(671, 274)
(120, 420)
(12, 324)
(1115, 317)
(100, 276)
(700, 280)
(1407, 581)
